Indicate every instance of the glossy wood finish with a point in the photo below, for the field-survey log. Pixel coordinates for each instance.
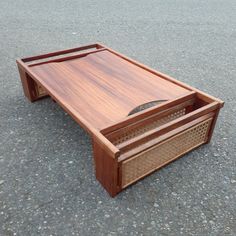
(99, 87)
(104, 92)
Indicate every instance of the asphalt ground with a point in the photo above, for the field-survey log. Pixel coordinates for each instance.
(47, 182)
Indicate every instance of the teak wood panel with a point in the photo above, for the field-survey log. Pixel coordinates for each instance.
(99, 88)
(104, 92)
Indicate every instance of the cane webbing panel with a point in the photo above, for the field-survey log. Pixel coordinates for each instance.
(159, 155)
(142, 129)
(40, 90)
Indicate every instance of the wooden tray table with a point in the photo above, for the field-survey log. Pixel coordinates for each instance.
(139, 119)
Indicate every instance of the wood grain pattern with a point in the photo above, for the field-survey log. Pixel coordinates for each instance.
(104, 92)
(203, 95)
(99, 87)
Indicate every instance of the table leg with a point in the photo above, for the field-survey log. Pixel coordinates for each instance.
(32, 90)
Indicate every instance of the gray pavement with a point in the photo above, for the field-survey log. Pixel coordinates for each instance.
(47, 182)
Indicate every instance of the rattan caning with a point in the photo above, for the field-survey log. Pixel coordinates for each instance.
(142, 129)
(40, 90)
(159, 155)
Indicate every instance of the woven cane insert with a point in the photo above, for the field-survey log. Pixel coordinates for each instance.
(40, 90)
(155, 157)
(142, 129)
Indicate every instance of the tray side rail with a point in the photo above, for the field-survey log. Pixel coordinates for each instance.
(62, 52)
(149, 135)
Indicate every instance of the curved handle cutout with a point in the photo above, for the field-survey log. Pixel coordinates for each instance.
(145, 106)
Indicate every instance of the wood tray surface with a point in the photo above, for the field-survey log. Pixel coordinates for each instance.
(104, 87)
